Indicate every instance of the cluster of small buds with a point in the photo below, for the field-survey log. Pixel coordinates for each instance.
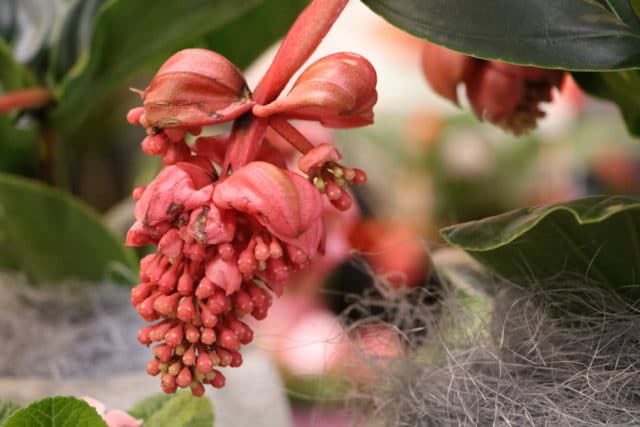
(507, 95)
(229, 219)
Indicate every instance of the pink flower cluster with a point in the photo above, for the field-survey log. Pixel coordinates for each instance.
(507, 95)
(229, 219)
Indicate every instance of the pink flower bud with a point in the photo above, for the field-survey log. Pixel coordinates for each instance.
(168, 383)
(224, 274)
(153, 367)
(189, 356)
(143, 335)
(158, 331)
(229, 340)
(165, 304)
(338, 90)
(236, 359)
(185, 283)
(162, 352)
(445, 70)
(208, 336)
(184, 377)
(205, 288)
(192, 334)
(140, 292)
(170, 245)
(186, 310)
(219, 380)
(197, 389)
(242, 301)
(193, 88)
(203, 362)
(315, 158)
(174, 336)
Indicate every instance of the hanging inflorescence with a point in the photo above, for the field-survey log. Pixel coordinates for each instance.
(229, 218)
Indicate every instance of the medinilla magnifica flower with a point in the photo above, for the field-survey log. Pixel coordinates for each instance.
(229, 220)
(505, 94)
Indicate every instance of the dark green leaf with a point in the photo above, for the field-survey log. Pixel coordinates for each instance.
(13, 76)
(74, 36)
(52, 237)
(569, 34)
(153, 30)
(8, 19)
(7, 408)
(622, 87)
(595, 237)
(178, 410)
(56, 412)
(262, 25)
(624, 11)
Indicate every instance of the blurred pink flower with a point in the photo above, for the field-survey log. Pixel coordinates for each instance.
(115, 417)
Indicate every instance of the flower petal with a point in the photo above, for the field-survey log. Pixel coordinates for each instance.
(195, 87)
(338, 90)
(282, 201)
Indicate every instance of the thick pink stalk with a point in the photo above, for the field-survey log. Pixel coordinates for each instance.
(302, 39)
(291, 134)
(27, 98)
(245, 142)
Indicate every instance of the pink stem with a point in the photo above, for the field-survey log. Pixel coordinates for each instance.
(27, 98)
(302, 39)
(291, 134)
(246, 139)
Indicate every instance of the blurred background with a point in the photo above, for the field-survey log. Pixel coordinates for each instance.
(430, 164)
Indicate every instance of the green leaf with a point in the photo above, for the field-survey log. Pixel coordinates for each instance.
(569, 34)
(596, 238)
(178, 410)
(74, 36)
(623, 9)
(56, 412)
(154, 30)
(7, 408)
(621, 87)
(52, 237)
(149, 406)
(13, 76)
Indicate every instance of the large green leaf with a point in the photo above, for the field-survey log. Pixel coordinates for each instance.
(595, 238)
(179, 410)
(569, 34)
(56, 412)
(51, 236)
(622, 87)
(7, 408)
(130, 35)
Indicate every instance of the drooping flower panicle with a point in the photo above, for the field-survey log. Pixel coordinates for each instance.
(229, 219)
(507, 95)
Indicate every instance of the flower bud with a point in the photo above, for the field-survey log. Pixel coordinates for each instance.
(445, 69)
(338, 90)
(193, 88)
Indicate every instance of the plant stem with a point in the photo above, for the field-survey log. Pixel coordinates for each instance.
(302, 39)
(27, 98)
(291, 134)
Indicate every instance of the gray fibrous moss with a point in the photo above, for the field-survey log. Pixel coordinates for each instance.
(71, 330)
(563, 353)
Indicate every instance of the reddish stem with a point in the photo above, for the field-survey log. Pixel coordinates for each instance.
(291, 134)
(27, 98)
(246, 139)
(302, 39)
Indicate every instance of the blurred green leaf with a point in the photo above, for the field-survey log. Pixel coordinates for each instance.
(7, 408)
(74, 36)
(623, 9)
(594, 238)
(54, 412)
(148, 406)
(178, 410)
(621, 87)
(13, 76)
(35, 20)
(8, 19)
(570, 34)
(51, 236)
(155, 29)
